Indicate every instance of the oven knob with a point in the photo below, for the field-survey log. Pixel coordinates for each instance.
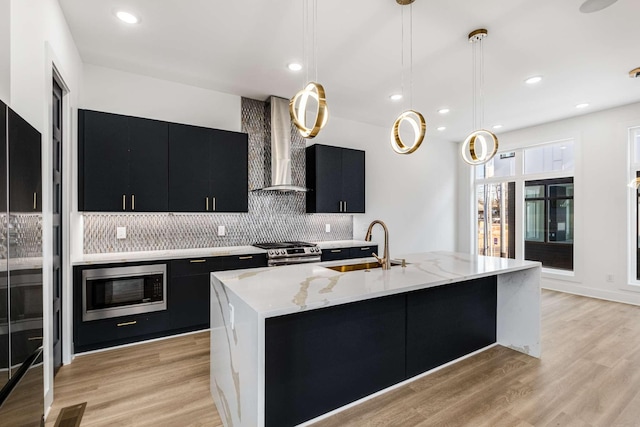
(270, 252)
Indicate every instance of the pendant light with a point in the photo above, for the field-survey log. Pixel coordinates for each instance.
(481, 144)
(298, 104)
(411, 116)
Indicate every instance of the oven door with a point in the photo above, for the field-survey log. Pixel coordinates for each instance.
(123, 291)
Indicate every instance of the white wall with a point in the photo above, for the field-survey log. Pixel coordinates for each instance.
(114, 91)
(601, 178)
(39, 41)
(5, 51)
(414, 194)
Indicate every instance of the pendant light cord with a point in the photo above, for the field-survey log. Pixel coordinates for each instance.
(411, 56)
(404, 102)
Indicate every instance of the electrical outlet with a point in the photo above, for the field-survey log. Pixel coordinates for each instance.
(222, 230)
(327, 228)
(121, 232)
(610, 278)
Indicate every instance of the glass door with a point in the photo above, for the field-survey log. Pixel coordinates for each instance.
(496, 219)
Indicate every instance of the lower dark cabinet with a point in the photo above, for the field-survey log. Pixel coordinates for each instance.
(119, 330)
(322, 359)
(348, 253)
(447, 322)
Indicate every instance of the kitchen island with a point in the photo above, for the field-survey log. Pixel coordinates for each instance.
(289, 344)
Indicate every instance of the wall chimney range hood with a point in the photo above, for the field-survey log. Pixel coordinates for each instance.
(281, 148)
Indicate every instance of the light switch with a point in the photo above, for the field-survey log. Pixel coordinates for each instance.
(121, 232)
(222, 230)
(327, 228)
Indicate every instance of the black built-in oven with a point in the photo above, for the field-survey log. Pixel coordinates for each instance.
(123, 291)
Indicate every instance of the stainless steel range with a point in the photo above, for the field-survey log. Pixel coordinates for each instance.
(286, 253)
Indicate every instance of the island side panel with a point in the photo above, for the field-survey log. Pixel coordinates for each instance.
(518, 316)
(235, 383)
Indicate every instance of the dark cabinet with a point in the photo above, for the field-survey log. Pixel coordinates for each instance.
(123, 163)
(447, 322)
(207, 170)
(348, 253)
(336, 177)
(188, 303)
(25, 161)
(188, 289)
(319, 360)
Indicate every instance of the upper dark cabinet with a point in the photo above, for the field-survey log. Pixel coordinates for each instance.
(123, 163)
(25, 165)
(207, 170)
(336, 178)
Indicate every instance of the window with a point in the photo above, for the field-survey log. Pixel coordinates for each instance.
(542, 177)
(549, 218)
(549, 158)
(496, 219)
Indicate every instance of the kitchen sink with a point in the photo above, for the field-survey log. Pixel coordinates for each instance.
(361, 266)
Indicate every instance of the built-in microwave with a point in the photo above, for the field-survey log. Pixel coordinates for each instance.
(123, 291)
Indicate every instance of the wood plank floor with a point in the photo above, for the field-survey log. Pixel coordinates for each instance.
(589, 375)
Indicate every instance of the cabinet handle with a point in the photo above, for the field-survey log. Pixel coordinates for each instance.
(336, 250)
(198, 260)
(133, 202)
(127, 323)
(340, 205)
(213, 203)
(365, 249)
(345, 206)
(124, 202)
(35, 201)
(245, 257)
(206, 204)
(34, 338)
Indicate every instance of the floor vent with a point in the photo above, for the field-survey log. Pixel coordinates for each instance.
(71, 416)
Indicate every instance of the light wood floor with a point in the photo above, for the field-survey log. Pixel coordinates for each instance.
(589, 375)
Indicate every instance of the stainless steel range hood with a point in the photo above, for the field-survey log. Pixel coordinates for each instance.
(281, 148)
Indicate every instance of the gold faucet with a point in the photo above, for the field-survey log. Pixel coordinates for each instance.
(385, 261)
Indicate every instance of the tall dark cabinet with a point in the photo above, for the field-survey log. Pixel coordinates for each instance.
(336, 177)
(21, 307)
(123, 163)
(208, 170)
(25, 167)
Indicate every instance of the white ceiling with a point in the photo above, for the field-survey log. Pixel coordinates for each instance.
(243, 46)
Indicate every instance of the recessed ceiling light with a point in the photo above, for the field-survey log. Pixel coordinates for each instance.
(533, 80)
(497, 126)
(294, 66)
(127, 17)
(395, 97)
(590, 6)
(584, 105)
(443, 110)
(441, 128)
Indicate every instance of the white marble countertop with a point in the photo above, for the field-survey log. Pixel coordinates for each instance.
(106, 258)
(275, 291)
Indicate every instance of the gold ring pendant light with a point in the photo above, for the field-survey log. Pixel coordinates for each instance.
(298, 109)
(481, 145)
(413, 117)
(298, 104)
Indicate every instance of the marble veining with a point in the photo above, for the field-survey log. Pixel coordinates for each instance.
(270, 292)
(238, 387)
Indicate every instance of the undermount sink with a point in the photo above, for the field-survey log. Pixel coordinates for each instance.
(361, 266)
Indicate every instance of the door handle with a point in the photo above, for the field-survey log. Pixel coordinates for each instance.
(124, 202)
(133, 202)
(206, 204)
